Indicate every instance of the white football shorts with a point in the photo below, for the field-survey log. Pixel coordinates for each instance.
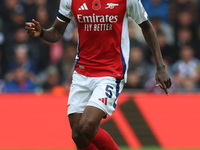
(99, 92)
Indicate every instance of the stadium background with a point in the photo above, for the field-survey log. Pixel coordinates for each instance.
(144, 117)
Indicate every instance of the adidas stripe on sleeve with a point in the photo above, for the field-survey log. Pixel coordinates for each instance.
(65, 14)
(136, 11)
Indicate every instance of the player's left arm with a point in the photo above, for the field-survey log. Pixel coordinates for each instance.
(162, 77)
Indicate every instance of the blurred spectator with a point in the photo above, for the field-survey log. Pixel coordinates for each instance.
(40, 54)
(19, 37)
(8, 6)
(37, 50)
(20, 82)
(186, 20)
(184, 37)
(30, 9)
(43, 17)
(137, 74)
(55, 52)
(2, 49)
(2, 36)
(18, 18)
(67, 62)
(157, 8)
(21, 60)
(52, 6)
(166, 49)
(1, 85)
(13, 16)
(41, 3)
(198, 6)
(168, 52)
(1, 9)
(186, 70)
(2, 62)
(164, 27)
(1, 73)
(178, 6)
(52, 79)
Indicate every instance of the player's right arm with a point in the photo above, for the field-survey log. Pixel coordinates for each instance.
(52, 35)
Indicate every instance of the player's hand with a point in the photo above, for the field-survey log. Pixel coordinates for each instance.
(163, 80)
(33, 28)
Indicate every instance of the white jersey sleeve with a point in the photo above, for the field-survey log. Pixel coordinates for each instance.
(136, 11)
(65, 13)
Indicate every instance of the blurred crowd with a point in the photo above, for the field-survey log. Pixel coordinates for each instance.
(32, 65)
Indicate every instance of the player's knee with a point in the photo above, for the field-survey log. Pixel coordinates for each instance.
(87, 128)
(76, 136)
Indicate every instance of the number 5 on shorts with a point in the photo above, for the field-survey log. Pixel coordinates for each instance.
(109, 91)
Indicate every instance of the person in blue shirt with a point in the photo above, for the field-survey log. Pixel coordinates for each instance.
(20, 83)
(157, 8)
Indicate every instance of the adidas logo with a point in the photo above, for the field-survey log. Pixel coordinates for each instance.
(83, 7)
(104, 100)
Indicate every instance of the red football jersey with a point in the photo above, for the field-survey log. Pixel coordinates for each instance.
(103, 47)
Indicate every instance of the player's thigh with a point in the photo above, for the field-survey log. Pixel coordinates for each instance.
(79, 94)
(74, 120)
(105, 94)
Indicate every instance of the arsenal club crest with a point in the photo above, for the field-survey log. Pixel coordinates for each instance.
(96, 4)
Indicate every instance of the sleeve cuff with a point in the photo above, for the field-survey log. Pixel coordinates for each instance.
(63, 18)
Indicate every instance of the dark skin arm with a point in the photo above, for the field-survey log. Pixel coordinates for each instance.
(52, 35)
(162, 77)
